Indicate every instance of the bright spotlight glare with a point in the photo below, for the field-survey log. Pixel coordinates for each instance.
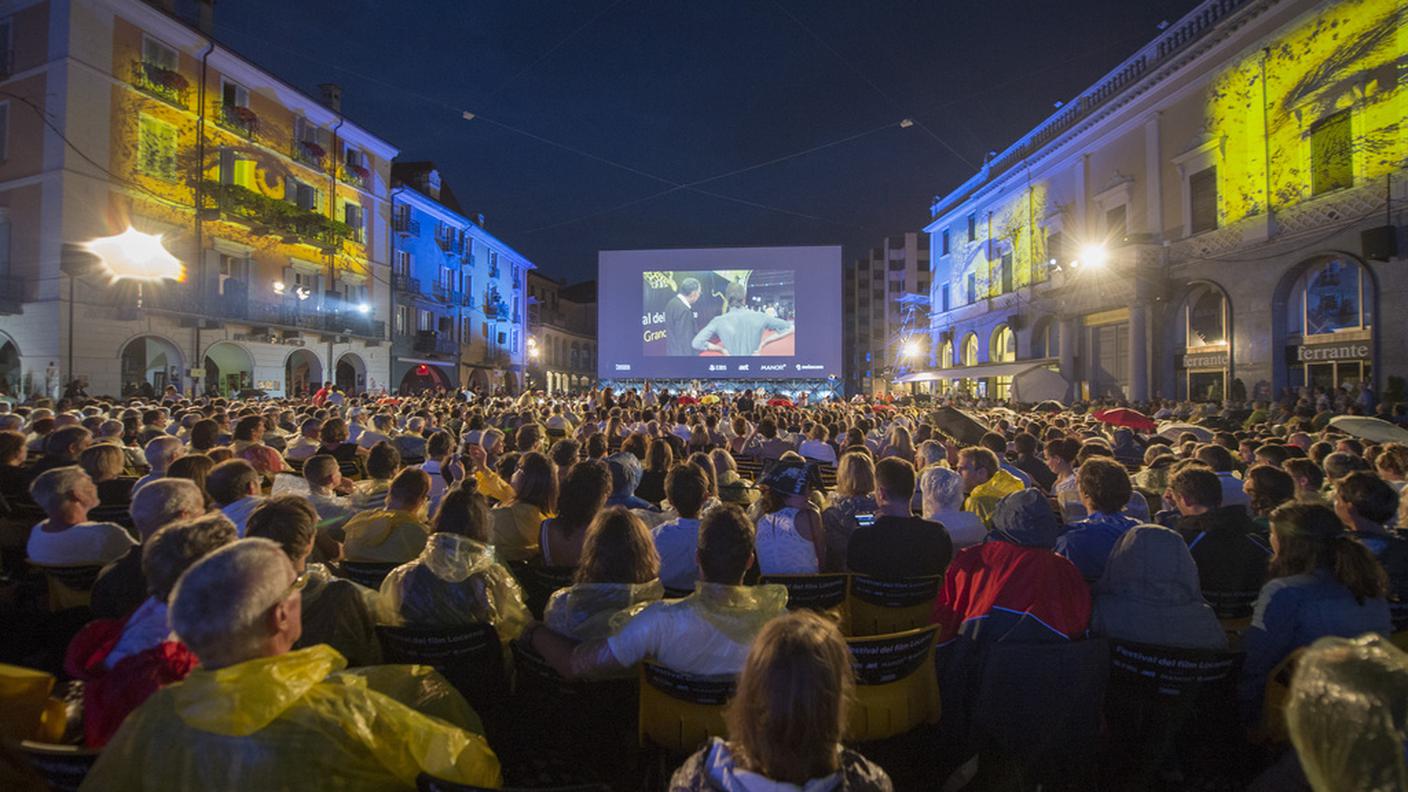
(137, 256)
(1095, 255)
(364, 308)
(910, 349)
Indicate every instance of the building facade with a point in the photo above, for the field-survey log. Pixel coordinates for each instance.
(887, 294)
(276, 205)
(460, 307)
(562, 334)
(1220, 215)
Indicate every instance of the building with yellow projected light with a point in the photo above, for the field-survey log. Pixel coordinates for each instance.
(1220, 214)
(276, 204)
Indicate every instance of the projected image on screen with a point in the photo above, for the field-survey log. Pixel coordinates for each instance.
(717, 313)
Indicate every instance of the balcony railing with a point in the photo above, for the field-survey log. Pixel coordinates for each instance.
(355, 175)
(402, 224)
(234, 304)
(429, 341)
(442, 293)
(165, 84)
(309, 153)
(406, 283)
(240, 120)
(266, 215)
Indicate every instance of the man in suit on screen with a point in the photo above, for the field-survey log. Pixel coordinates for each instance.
(679, 319)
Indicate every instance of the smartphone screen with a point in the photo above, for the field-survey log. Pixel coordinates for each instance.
(864, 520)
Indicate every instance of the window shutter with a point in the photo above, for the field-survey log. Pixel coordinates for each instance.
(227, 166)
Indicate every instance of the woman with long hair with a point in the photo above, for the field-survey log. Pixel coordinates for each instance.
(659, 458)
(583, 494)
(620, 570)
(898, 445)
(1266, 488)
(516, 522)
(854, 495)
(1323, 581)
(786, 720)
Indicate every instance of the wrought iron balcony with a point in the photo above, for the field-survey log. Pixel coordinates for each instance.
(309, 153)
(266, 215)
(431, 342)
(403, 224)
(240, 120)
(234, 304)
(406, 283)
(165, 84)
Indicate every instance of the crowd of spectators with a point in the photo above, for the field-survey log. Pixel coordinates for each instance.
(252, 552)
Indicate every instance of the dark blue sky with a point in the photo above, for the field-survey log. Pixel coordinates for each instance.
(678, 91)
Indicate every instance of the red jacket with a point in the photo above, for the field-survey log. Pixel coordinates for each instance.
(999, 591)
(110, 694)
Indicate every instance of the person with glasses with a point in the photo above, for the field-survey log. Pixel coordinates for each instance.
(257, 715)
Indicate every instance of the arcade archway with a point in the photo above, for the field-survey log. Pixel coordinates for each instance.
(303, 373)
(351, 373)
(149, 363)
(10, 371)
(229, 369)
(421, 378)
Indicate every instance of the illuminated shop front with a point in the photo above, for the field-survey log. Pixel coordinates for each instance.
(1330, 325)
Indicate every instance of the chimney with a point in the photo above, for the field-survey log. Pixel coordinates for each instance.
(206, 16)
(480, 219)
(332, 96)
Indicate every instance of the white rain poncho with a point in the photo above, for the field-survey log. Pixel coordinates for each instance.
(454, 583)
(1348, 714)
(586, 610)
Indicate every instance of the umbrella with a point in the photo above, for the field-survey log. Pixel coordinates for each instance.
(1173, 430)
(959, 425)
(1050, 405)
(1375, 430)
(881, 408)
(1123, 416)
(686, 400)
(1039, 384)
(780, 403)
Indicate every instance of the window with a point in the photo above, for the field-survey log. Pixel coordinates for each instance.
(1000, 274)
(155, 53)
(352, 216)
(943, 297)
(235, 170)
(354, 158)
(401, 217)
(233, 94)
(466, 330)
(946, 355)
(232, 268)
(304, 196)
(1202, 200)
(970, 350)
(401, 264)
(403, 318)
(4, 131)
(7, 49)
(1206, 318)
(425, 320)
(1116, 223)
(944, 243)
(156, 148)
(493, 263)
(971, 287)
(1331, 161)
(1331, 297)
(972, 228)
(1004, 345)
(446, 279)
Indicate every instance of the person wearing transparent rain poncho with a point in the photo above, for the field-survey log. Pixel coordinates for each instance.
(707, 633)
(456, 581)
(1348, 714)
(619, 575)
(256, 715)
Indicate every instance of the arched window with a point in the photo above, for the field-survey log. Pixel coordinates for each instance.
(1044, 341)
(970, 350)
(1332, 296)
(1206, 316)
(1004, 345)
(946, 355)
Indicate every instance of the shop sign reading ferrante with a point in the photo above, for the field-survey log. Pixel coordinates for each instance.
(1205, 360)
(1354, 350)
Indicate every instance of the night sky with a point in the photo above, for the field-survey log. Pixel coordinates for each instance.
(594, 113)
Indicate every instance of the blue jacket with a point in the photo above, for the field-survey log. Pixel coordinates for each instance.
(1292, 612)
(1088, 543)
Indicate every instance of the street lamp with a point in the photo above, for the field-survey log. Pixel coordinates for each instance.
(910, 350)
(1093, 255)
(133, 255)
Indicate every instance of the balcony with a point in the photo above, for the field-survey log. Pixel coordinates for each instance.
(467, 299)
(165, 84)
(234, 304)
(309, 153)
(355, 175)
(403, 224)
(443, 293)
(405, 283)
(240, 120)
(271, 216)
(431, 342)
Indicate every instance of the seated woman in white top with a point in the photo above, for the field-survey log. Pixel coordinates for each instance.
(66, 538)
(815, 446)
(942, 491)
(791, 540)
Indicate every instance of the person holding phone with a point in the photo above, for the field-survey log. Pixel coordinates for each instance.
(897, 544)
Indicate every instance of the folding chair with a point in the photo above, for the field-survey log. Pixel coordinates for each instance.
(823, 592)
(69, 586)
(63, 767)
(877, 606)
(1278, 692)
(679, 712)
(367, 573)
(896, 688)
(540, 582)
(471, 658)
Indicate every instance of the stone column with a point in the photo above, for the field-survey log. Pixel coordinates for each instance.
(1068, 354)
(1139, 352)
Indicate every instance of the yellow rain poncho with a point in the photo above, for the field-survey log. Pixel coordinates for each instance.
(292, 722)
(584, 611)
(454, 583)
(1348, 714)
